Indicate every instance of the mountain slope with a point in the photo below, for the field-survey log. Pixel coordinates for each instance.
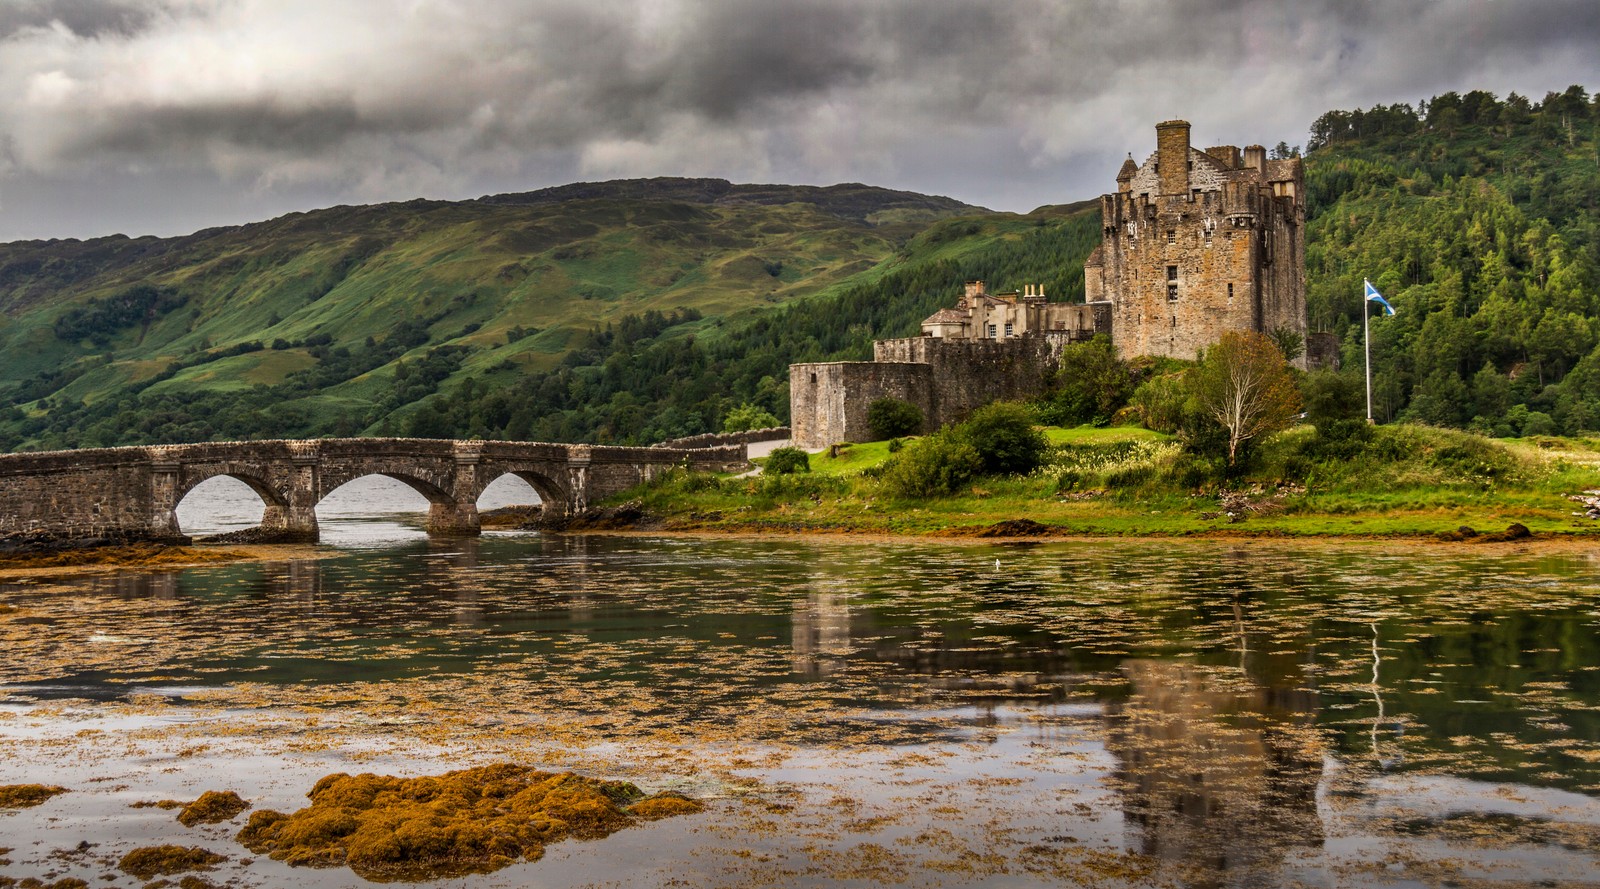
(341, 295)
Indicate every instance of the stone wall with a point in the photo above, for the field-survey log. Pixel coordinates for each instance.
(828, 402)
(946, 379)
(717, 439)
(93, 494)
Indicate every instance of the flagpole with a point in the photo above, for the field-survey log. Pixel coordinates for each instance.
(1366, 341)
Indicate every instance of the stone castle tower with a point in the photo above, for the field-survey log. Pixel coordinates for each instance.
(1195, 243)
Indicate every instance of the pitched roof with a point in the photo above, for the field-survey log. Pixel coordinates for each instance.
(946, 316)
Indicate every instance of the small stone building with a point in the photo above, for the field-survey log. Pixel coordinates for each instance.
(980, 315)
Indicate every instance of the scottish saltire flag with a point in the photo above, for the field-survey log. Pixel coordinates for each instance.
(1374, 296)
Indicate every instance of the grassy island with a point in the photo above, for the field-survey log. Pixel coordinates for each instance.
(1400, 480)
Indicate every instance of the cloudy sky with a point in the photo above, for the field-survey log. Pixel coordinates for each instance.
(166, 116)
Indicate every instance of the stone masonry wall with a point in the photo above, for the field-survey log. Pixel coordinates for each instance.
(946, 379)
(828, 402)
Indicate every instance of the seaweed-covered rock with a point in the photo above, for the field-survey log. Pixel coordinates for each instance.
(213, 807)
(152, 861)
(665, 805)
(462, 822)
(22, 796)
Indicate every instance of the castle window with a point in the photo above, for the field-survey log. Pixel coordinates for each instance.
(992, 332)
(1172, 273)
(1172, 292)
(813, 379)
(1230, 293)
(1008, 328)
(1172, 236)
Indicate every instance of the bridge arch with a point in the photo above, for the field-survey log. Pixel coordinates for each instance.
(224, 504)
(430, 491)
(552, 494)
(263, 487)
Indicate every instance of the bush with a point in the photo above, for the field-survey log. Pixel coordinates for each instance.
(1005, 438)
(892, 418)
(787, 461)
(1336, 406)
(932, 466)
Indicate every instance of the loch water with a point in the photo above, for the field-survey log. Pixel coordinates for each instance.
(856, 712)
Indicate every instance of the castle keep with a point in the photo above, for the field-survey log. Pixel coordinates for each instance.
(1193, 244)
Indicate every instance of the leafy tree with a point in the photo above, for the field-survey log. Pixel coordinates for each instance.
(748, 416)
(1244, 384)
(891, 418)
(1093, 384)
(1292, 343)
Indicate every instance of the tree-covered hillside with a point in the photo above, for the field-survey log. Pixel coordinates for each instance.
(1479, 219)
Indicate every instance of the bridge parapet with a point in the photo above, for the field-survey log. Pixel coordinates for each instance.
(132, 493)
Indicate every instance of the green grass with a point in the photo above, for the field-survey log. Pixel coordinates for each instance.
(1530, 485)
(1078, 435)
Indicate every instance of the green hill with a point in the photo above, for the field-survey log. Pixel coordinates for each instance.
(337, 311)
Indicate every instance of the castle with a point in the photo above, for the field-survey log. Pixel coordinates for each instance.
(1193, 244)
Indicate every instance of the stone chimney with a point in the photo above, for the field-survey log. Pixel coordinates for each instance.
(1172, 156)
(1255, 158)
(1227, 154)
(974, 288)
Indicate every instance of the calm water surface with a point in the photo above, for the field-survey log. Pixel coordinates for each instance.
(1106, 713)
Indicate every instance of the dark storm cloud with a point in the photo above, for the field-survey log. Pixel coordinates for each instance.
(87, 18)
(1009, 103)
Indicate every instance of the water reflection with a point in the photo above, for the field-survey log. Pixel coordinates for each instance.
(1251, 700)
(1218, 772)
(821, 633)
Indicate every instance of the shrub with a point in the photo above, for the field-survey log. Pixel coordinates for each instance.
(787, 461)
(892, 418)
(932, 466)
(1005, 439)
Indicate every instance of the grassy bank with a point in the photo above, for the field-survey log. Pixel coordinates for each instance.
(1400, 480)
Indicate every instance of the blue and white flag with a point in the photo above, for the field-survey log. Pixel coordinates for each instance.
(1374, 296)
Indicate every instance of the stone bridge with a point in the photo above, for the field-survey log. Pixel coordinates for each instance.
(132, 493)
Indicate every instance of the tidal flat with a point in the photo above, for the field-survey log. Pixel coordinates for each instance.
(920, 713)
